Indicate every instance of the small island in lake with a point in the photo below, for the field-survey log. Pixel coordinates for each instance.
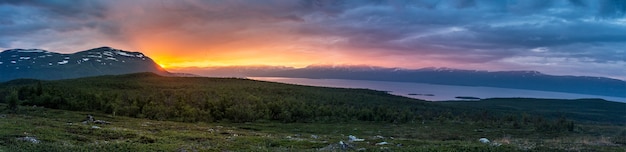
(416, 94)
(467, 98)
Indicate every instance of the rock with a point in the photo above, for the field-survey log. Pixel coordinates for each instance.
(496, 144)
(484, 140)
(361, 149)
(330, 147)
(343, 145)
(340, 146)
(101, 122)
(3, 116)
(90, 118)
(29, 139)
(315, 136)
(382, 143)
(353, 138)
(95, 127)
(379, 137)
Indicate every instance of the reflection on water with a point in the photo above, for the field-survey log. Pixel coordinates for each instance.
(433, 92)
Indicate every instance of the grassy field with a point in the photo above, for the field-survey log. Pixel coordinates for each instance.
(60, 130)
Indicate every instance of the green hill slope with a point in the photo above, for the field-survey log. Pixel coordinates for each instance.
(584, 110)
(194, 99)
(147, 95)
(279, 116)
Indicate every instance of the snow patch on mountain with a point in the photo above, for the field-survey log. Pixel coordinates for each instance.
(124, 54)
(111, 58)
(107, 53)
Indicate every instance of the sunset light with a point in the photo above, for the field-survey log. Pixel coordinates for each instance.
(472, 35)
(312, 75)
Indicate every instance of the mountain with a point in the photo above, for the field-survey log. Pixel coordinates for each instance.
(45, 65)
(233, 71)
(529, 80)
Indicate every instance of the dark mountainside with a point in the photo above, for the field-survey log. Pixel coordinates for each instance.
(45, 65)
(530, 80)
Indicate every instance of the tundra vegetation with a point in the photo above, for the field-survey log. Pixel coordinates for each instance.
(147, 112)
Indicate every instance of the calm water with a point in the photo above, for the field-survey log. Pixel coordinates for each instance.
(433, 92)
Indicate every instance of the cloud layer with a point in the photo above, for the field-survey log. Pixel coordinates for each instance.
(581, 37)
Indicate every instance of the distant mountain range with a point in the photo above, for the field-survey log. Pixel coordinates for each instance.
(45, 65)
(529, 80)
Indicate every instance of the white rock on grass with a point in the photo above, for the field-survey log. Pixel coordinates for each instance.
(484, 140)
(29, 139)
(382, 143)
(314, 136)
(353, 138)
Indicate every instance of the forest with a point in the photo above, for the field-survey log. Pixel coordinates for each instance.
(196, 99)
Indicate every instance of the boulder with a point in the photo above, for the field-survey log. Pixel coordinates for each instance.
(101, 122)
(29, 139)
(484, 140)
(382, 143)
(354, 138)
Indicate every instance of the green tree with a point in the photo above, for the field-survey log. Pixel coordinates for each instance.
(13, 101)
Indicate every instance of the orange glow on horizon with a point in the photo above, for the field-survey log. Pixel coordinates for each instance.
(173, 50)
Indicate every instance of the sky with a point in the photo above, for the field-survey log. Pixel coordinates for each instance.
(561, 37)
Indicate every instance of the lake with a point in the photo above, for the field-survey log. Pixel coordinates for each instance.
(433, 92)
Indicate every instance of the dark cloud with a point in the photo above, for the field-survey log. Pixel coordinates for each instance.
(63, 8)
(455, 31)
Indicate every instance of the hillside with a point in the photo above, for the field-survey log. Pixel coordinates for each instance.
(42, 129)
(583, 110)
(173, 113)
(193, 99)
(147, 95)
(45, 65)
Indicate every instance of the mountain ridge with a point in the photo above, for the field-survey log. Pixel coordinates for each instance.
(529, 80)
(46, 65)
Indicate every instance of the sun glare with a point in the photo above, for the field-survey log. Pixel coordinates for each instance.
(162, 65)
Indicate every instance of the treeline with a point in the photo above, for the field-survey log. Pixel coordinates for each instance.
(218, 99)
(241, 100)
